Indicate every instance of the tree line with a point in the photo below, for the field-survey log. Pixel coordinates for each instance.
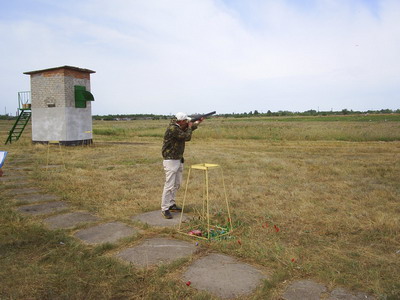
(255, 113)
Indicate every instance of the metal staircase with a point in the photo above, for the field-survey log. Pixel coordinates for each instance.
(23, 118)
(19, 126)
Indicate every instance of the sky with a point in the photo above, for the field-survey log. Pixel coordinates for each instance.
(196, 56)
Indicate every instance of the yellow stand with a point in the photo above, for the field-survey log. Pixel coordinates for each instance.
(48, 152)
(205, 215)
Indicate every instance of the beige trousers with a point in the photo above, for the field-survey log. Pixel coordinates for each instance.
(173, 179)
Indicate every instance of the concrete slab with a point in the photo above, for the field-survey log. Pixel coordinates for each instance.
(342, 294)
(155, 218)
(32, 198)
(9, 178)
(105, 233)
(69, 220)
(304, 290)
(223, 276)
(19, 168)
(18, 183)
(20, 191)
(157, 251)
(41, 209)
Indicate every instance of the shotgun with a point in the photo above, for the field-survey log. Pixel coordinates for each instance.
(195, 118)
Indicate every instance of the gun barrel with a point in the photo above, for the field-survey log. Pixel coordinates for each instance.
(198, 117)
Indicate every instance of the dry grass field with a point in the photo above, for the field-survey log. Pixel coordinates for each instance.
(331, 186)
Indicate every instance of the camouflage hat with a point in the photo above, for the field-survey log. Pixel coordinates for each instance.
(180, 116)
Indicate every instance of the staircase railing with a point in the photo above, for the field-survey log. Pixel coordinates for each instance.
(24, 100)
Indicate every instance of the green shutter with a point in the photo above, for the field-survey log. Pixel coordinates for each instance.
(81, 96)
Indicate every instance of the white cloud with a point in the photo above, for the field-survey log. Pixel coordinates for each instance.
(164, 56)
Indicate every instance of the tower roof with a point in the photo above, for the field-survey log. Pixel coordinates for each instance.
(60, 68)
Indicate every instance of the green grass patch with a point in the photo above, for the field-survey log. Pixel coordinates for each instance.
(341, 118)
(110, 131)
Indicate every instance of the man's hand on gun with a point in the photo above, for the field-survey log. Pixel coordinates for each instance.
(197, 119)
(196, 122)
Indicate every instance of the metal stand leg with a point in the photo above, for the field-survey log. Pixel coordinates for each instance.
(205, 213)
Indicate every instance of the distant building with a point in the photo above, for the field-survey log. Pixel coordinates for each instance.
(61, 105)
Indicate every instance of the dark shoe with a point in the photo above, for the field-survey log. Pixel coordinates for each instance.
(175, 208)
(166, 214)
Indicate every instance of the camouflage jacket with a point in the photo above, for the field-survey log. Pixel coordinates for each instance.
(174, 140)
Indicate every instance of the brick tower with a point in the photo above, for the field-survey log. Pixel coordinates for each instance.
(61, 105)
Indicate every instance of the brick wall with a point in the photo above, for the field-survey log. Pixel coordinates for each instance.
(47, 90)
(56, 89)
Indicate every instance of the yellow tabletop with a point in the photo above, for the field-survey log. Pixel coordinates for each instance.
(204, 166)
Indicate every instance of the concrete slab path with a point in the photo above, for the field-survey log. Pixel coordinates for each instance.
(304, 290)
(21, 191)
(18, 183)
(105, 233)
(33, 198)
(12, 178)
(223, 276)
(41, 209)
(155, 218)
(18, 168)
(310, 290)
(69, 220)
(157, 251)
(342, 294)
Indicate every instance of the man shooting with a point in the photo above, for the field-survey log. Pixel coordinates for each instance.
(178, 132)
